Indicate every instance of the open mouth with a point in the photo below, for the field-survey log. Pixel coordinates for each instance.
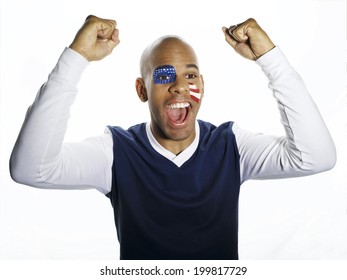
(177, 112)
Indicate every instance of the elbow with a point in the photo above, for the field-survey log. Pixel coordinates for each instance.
(16, 175)
(325, 160)
(19, 173)
(330, 159)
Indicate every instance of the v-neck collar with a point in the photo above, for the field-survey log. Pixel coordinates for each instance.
(182, 157)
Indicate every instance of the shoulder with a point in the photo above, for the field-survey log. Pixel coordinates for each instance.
(207, 127)
(210, 133)
(135, 137)
(131, 132)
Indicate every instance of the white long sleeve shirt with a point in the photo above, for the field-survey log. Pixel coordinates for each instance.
(40, 157)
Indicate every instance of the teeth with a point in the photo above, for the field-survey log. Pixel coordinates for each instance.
(178, 105)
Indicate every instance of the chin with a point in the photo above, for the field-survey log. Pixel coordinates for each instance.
(180, 134)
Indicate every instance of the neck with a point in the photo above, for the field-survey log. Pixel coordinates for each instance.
(175, 146)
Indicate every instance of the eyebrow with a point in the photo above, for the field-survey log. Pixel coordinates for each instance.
(164, 66)
(192, 65)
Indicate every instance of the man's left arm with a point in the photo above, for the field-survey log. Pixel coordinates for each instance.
(307, 147)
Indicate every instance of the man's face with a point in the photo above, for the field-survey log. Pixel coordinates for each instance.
(175, 90)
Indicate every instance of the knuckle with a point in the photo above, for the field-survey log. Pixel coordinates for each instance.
(251, 24)
(90, 18)
(95, 19)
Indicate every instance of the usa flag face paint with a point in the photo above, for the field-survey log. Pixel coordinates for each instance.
(164, 74)
(194, 93)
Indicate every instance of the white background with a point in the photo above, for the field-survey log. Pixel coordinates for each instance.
(303, 218)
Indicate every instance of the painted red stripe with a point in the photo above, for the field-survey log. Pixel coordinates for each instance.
(196, 90)
(197, 100)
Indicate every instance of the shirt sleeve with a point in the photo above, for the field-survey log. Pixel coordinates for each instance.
(40, 158)
(306, 148)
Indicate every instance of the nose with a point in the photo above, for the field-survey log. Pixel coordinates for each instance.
(179, 86)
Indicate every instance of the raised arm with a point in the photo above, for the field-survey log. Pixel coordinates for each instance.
(307, 147)
(39, 157)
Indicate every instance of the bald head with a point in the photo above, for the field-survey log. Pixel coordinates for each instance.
(165, 48)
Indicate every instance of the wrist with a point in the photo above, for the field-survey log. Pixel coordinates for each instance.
(79, 50)
(268, 49)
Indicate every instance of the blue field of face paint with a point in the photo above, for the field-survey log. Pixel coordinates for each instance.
(164, 74)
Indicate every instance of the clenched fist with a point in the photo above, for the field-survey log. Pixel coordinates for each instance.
(248, 39)
(96, 38)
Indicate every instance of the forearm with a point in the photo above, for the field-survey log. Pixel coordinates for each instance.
(306, 148)
(39, 157)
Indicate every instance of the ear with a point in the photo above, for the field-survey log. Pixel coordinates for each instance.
(141, 89)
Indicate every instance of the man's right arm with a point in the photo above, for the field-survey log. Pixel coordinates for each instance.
(40, 158)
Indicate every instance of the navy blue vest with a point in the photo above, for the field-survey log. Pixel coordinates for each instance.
(167, 212)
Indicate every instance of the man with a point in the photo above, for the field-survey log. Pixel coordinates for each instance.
(174, 182)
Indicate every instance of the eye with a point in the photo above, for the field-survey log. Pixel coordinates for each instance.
(164, 74)
(191, 76)
(164, 77)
